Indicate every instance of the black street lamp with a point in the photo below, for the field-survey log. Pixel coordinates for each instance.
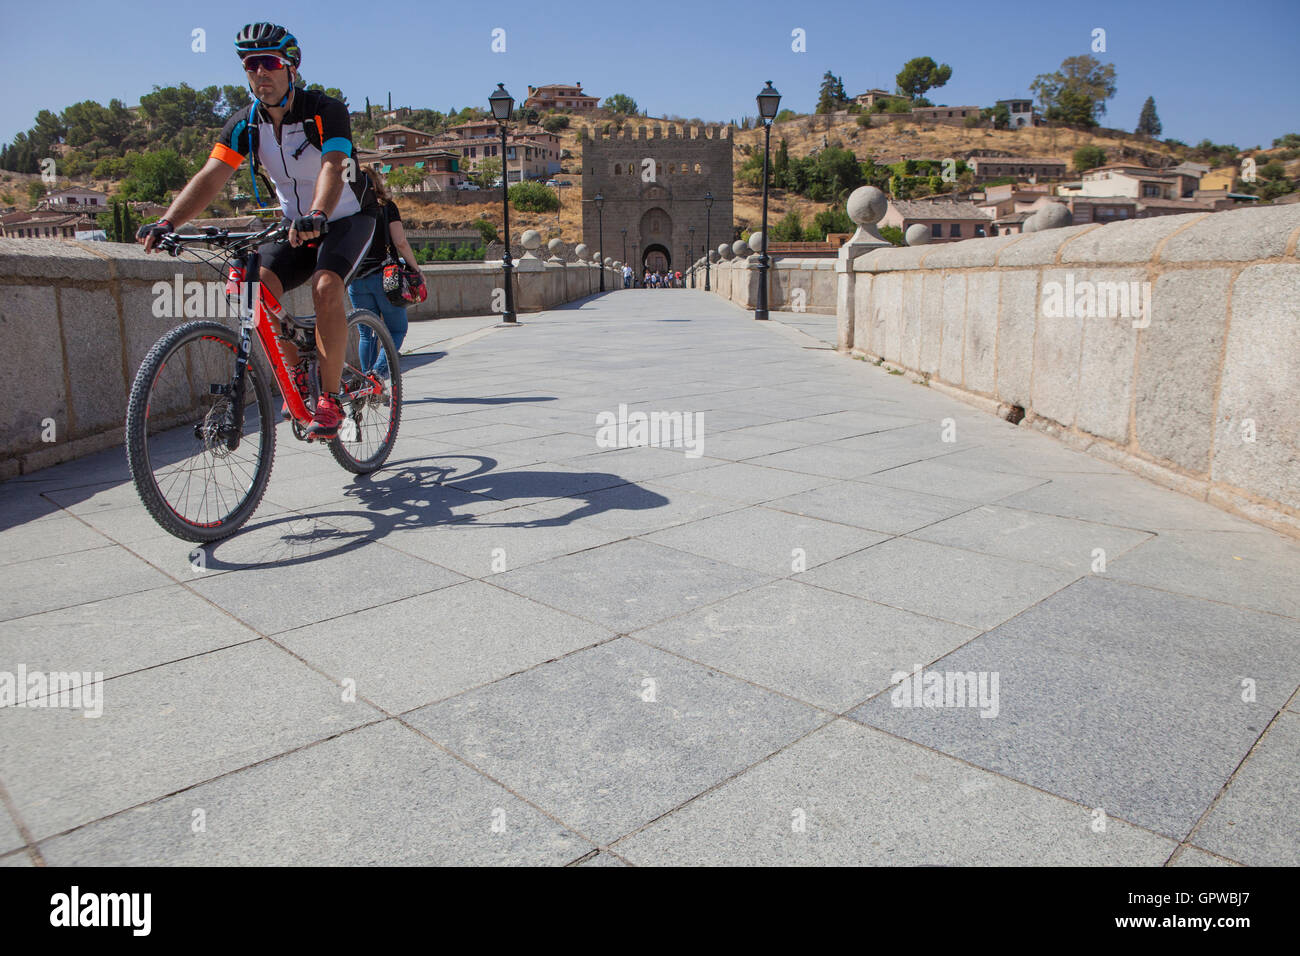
(600, 204)
(503, 105)
(708, 214)
(690, 254)
(625, 247)
(769, 101)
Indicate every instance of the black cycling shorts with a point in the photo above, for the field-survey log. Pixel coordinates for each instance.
(339, 251)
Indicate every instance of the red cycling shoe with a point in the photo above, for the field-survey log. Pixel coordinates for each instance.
(325, 423)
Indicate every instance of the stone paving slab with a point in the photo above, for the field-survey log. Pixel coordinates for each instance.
(484, 574)
(1256, 820)
(965, 587)
(120, 635)
(423, 649)
(579, 738)
(1118, 697)
(628, 584)
(10, 838)
(851, 796)
(378, 796)
(163, 729)
(828, 650)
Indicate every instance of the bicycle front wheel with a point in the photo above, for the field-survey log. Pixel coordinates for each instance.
(177, 444)
(372, 408)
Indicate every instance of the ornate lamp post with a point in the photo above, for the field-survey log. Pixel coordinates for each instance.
(600, 204)
(769, 101)
(708, 213)
(690, 254)
(503, 105)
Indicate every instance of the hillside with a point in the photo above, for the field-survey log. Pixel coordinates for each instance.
(891, 140)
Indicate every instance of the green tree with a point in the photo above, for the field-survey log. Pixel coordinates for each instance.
(921, 74)
(1149, 122)
(170, 109)
(486, 229)
(1290, 140)
(789, 229)
(892, 234)
(787, 115)
(1089, 157)
(831, 96)
(620, 103)
(115, 234)
(1077, 92)
(1000, 115)
(35, 190)
(151, 176)
(405, 177)
(781, 165)
(828, 221)
(488, 172)
(555, 123)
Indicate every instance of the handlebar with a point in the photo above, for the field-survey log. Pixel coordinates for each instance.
(234, 242)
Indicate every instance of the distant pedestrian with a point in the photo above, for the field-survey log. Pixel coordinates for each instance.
(627, 277)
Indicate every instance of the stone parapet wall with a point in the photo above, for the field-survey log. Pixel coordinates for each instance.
(76, 320)
(795, 285)
(1199, 393)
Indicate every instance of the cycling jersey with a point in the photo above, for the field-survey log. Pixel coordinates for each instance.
(313, 125)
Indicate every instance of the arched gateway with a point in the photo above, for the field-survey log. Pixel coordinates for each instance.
(653, 186)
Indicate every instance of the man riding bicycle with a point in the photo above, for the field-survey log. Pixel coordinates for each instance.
(302, 139)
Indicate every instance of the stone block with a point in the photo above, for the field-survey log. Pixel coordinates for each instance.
(1237, 235)
(1178, 366)
(979, 361)
(887, 315)
(1106, 364)
(969, 253)
(932, 321)
(1058, 345)
(1040, 248)
(863, 331)
(913, 310)
(953, 330)
(896, 259)
(29, 327)
(1260, 380)
(1015, 336)
(42, 258)
(1133, 240)
(93, 341)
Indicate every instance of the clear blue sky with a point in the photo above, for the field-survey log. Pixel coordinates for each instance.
(1229, 72)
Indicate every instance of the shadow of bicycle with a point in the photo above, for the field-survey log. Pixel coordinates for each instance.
(417, 493)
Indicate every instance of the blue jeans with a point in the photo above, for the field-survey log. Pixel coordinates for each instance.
(368, 293)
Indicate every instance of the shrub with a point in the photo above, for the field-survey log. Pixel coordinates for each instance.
(864, 119)
(555, 123)
(971, 122)
(533, 197)
(893, 234)
(1088, 157)
(487, 230)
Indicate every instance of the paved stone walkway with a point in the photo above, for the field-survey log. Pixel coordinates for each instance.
(514, 646)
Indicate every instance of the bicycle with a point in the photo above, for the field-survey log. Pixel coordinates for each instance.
(200, 427)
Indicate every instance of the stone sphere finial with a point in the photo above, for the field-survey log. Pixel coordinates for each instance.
(1030, 225)
(608, 261)
(580, 250)
(556, 246)
(1052, 216)
(757, 241)
(740, 248)
(918, 234)
(531, 239)
(726, 251)
(713, 255)
(867, 205)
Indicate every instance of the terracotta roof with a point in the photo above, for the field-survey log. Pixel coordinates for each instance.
(399, 128)
(916, 209)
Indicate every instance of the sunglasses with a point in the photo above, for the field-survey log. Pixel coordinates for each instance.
(266, 62)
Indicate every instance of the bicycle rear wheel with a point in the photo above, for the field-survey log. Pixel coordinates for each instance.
(371, 413)
(192, 483)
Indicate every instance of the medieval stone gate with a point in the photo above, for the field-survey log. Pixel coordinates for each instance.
(654, 188)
